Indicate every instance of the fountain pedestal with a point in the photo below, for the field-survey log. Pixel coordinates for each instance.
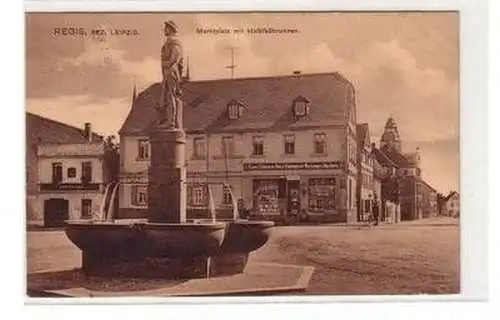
(167, 176)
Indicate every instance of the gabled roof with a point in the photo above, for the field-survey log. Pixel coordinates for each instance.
(427, 185)
(450, 195)
(399, 159)
(269, 102)
(48, 131)
(383, 159)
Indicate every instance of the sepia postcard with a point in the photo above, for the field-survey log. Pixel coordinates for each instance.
(242, 154)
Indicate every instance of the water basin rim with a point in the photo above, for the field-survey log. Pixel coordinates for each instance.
(145, 224)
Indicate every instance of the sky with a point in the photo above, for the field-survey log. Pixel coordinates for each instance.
(404, 65)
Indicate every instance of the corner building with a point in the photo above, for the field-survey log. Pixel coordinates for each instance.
(282, 143)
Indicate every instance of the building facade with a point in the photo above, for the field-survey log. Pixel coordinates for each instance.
(405, 186)
(451, 206)
(285, 146)
(65, 172)
(366, 188)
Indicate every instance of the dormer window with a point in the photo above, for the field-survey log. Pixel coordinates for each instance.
(301, 106)
(235, 109)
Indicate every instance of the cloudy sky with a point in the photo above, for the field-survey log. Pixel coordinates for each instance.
(402, 65)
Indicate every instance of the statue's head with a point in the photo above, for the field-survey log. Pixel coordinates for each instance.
(170, 28)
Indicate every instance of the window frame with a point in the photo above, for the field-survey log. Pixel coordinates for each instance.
(86, 167)
(197, 153)
(319, 139)
(71, 172)
(289, 144)
(257, 145)
(137, 190)
(227, 197)
(59, 166)
(143, 149)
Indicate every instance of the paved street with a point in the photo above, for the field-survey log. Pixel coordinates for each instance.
(414, 257)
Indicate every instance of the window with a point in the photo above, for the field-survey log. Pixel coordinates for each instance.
(289, 144)
(86, 208)
(139, 196)
(71, 172)
(143, 150)
(57, 175)
(322, 194)
(227, 146)
(258, 146)
(86, 171)
(235, 109)
(198, 195)
(320, 143)
(301, 106)
(199, 147)
(226, 195)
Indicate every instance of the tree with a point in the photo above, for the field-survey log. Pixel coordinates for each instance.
(111, 159)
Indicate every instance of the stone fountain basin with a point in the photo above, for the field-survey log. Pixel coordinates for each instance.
(143, 239)
(244, 236)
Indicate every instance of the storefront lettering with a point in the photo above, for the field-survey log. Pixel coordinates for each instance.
(69, 186)
(293, 166)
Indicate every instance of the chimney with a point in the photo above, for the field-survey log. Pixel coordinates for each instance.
(88, 131)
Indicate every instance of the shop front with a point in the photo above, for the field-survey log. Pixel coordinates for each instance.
(298, 192)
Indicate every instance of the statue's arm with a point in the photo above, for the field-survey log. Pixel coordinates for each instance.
(174, 57)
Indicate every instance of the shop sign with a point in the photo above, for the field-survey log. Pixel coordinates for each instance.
(69, 186)
(134, 179)
(293, 166)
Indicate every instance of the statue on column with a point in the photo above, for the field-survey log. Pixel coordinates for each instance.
(169, 110)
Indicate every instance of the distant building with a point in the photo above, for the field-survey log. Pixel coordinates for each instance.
(366, 193)
(417, 198)
(284, 144)
(451, 205)
(385, 171)
(65, 171)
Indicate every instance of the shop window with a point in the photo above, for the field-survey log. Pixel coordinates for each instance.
(57, 172)
(266, 196)
(258, 146)
(322, 194)
(289, 141)
(198, 147)
(72, 172)
(139, 196)
(143, 152)
(319, 143)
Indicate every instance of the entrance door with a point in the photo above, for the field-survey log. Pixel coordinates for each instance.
(55, 212)
(293, 198)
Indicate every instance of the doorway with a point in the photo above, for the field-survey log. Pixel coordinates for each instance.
(55, 212)
(293, 198)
